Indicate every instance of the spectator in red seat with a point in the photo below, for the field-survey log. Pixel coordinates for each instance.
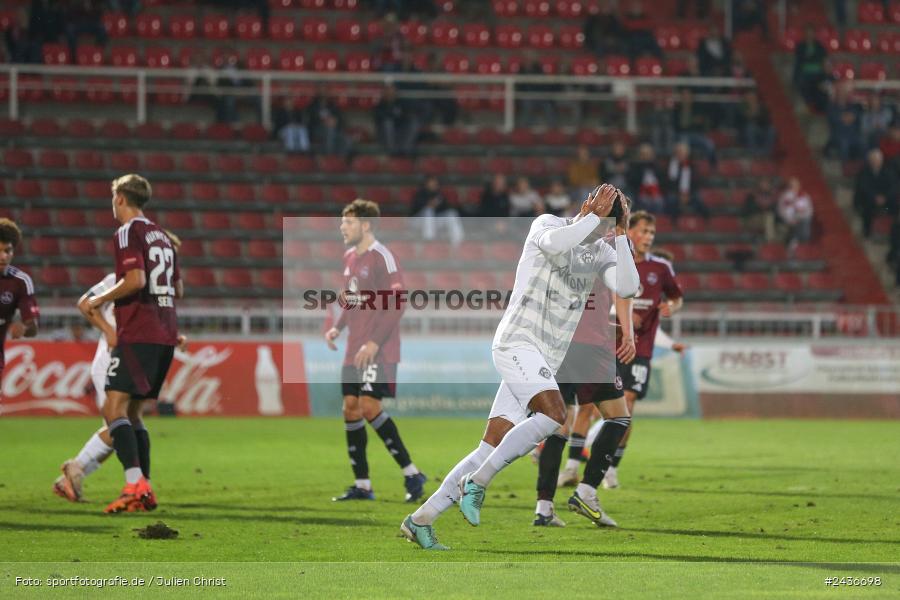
(682, 185)
(289, 126)
(390, 47)
(603, 32)
(583, 173)
(434, 209)
(85, 17)
(557, 200)
(614, 168)
(20, 48)
(844, 116)
(326, 126)
(876, 120)
(714, 54)
(758, 210)
(795, 210)
(875, 191)
(639, 32)
(645, 181)
(397, 124)
(494, 201)
(524, 201)
(755, 124)
(810, 74)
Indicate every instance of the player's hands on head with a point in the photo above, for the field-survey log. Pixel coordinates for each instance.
(599, 202)
(366, 355)
(17, 330)
(330, 336)
(623, 220)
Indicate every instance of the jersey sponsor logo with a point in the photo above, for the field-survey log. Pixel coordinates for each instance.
(545, 373)
(6, 298)
(652, 278)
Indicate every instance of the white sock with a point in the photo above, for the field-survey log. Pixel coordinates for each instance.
(544, 507)
(518, 442)
(363, 484)
(92, 454)
(410, 469)
(592, 433)
(585, 491)
(572, 464)
(448, 492)
(132, 475)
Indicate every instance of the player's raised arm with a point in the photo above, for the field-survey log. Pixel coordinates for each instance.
(599, 203)
(623, 278)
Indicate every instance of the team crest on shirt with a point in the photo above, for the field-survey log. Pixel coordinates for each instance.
(6, 298)
(544, 372)
(587, 257)
(652, 278)
(364, 272)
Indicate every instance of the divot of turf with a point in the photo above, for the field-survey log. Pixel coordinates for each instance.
(157, 531)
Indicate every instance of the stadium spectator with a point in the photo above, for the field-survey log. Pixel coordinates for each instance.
(645, 181)
(876, 120)
(714, 54)
(795, 210)
(229, 77)
(390, 47)
(396, 123)
(46, 22)
(845, 131)
(20, 48)
(810, 73)
(755, 124)
(524, 201)
(690, 122)
(85, 17)
(200, 82)
(557, 200)
(682, 189)
(748, 14)
(639, 36)
(758, 210)
(875, 191)
(495, 198)
(603, 32)
(435, 211)
(326, 126)
(583, 172)
(890, 147)
(614, 168)
(288, 125)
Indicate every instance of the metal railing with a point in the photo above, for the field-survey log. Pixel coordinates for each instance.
(144, 82)
(867, 322)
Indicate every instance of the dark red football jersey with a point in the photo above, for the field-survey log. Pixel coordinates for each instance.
(16, 293)
(595, 327)
(371, 310)
(657, 281)
(147, 316)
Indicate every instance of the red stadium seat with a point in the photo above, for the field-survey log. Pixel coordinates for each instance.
(270, 279)
(349, 31)
(64, 189)
(476, 35)
(720, 282)
(725, 224)
(80, 128)
(168, 191)
(265, 163)
(226, 248)
(509, 36)
(456, 63)
(53, 159)
(821, 281)
(216, 27)
(272, 193)
(506, 8)
(889, 42)
(215, 220)
(788, 282)
(585, 65)
(705, 252)
(857, 40)
(296, 249)
(829, 38)
(343, 194)
(261, 249)
(149, 25)
(179, 220)
(64, 89)
(195, 163)
(89, 56)
(571, 37)
(184, 130)
(55, 277)
(205, 192)
(415, 33)
(125, 162)
(292, 60)
(80, 247)
(248, 27)
(43, 246)
(648, 66)
(445, 34)
(772, 251)
(71, 218)
(198, 277)
(894, 11)
(45, 128)
(843, 70)
(34, 218)
(872, 71)
(315, 30)
(325, 60)
(158, 58)
(348, 5)
(191, 248)
(754, 281)
(540, 36)
(183, 27)
(536, 8)
(96, 190)
(259, 59)
(446, 280)
(358, 62)
(282, 29)
(124, 56)
(240, 192)
(18, 159)
(56, 54)
(870, 12)
(310, 194)
(159, 161)
(116, 24)
(304, 280)
(219, 131)
(251, 221)
(432, 165)
(618, 66)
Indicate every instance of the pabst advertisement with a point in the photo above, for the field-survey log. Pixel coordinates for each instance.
(210, 378)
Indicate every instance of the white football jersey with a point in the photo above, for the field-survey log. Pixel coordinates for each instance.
(107, 308)
(550, 293)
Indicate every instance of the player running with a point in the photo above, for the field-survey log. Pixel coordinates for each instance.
(560, 260)
(369, 371)
(98, 448)
(659, 295)
(147, 283)
(589, 359)
(16, 291)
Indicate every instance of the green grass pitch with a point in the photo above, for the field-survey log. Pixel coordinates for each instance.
(754, 509)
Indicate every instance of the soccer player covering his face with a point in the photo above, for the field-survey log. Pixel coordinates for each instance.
(369, 372)
(560, 260)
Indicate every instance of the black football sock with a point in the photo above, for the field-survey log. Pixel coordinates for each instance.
(386, 429)
(548, 466)
(617, 457)
(356, 447)
(576, 447)
(124, 443)
(603, 448)
(143, 448)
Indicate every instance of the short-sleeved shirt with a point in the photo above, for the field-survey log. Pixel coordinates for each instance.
(373, 275)
(550, 292)
(657, 280)
(16, 293)
(147, 316)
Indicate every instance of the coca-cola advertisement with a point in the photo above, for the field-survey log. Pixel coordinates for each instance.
(209, 378)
